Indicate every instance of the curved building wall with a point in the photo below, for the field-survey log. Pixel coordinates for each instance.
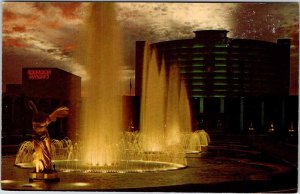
(234, 82)
(229, 67)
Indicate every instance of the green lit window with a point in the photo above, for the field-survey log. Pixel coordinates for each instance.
(220, 77)
(198, 58)
(197, 71)
(220, 65)
(220, 45)
(221, 52)
(197, 90)
(220, 70)
(197, 83)
(220, 58)
(220, 90)
(184, 71)
(198, 95)
(198, 77)
(220, 84)
(198, 46)
(219, 96)
(198, 65)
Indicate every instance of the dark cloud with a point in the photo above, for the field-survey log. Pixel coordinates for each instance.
(8, 16)
(19, 28)
(51, 50)
(262, 21)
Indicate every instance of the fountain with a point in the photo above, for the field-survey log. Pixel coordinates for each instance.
(101, 114)
(152, 103)
(104, 144)
(172, 114)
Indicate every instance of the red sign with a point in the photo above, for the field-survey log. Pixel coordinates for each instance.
(38, 73)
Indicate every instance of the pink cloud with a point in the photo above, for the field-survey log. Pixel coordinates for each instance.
(53, 24)
(68, 9)
(14, 42)
(69, 47)
(8, 16)
(19, 28)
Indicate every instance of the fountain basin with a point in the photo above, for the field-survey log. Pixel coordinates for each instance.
(124, 166)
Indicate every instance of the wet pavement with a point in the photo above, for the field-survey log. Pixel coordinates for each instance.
(223, 167)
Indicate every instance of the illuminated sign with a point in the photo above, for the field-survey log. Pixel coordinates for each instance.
(38, 74)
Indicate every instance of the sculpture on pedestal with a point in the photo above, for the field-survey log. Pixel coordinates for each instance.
(42, 141)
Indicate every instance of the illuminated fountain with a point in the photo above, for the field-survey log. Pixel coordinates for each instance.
(152, 121)
(60, 150)
(172, 113)
(101, 114)
(104, 145)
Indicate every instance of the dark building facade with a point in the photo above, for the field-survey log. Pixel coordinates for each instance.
(231, 82)
(48, 88)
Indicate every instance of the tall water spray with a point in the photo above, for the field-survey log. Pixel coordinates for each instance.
(178, 113)
(172, 111)
(101, 115)
(185, 115)
(152, 102)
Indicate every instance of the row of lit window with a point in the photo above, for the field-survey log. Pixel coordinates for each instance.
(202, 46)
(216, 65)
(216, 84)
(220, 90)
(183, 71)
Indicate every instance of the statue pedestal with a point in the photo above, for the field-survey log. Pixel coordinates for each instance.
(44, 176)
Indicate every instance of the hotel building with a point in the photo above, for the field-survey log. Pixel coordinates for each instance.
(232, 81)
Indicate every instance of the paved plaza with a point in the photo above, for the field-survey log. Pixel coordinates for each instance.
(226, 166)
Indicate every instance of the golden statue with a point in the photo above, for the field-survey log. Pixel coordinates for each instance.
(41, 138)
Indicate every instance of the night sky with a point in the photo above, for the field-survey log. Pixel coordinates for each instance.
(43, 34)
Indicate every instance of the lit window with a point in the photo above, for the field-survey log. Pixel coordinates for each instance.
(220, 45)
(220, 77)
(197, 95)
(198, 77)
(197, 90)
(220, 71)
(220, 65)
(219, 96)
(197, 83)
(198, 46)
(198, 65)
(220, 58)
(220, 84)
(197, 71)
(221, 52)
